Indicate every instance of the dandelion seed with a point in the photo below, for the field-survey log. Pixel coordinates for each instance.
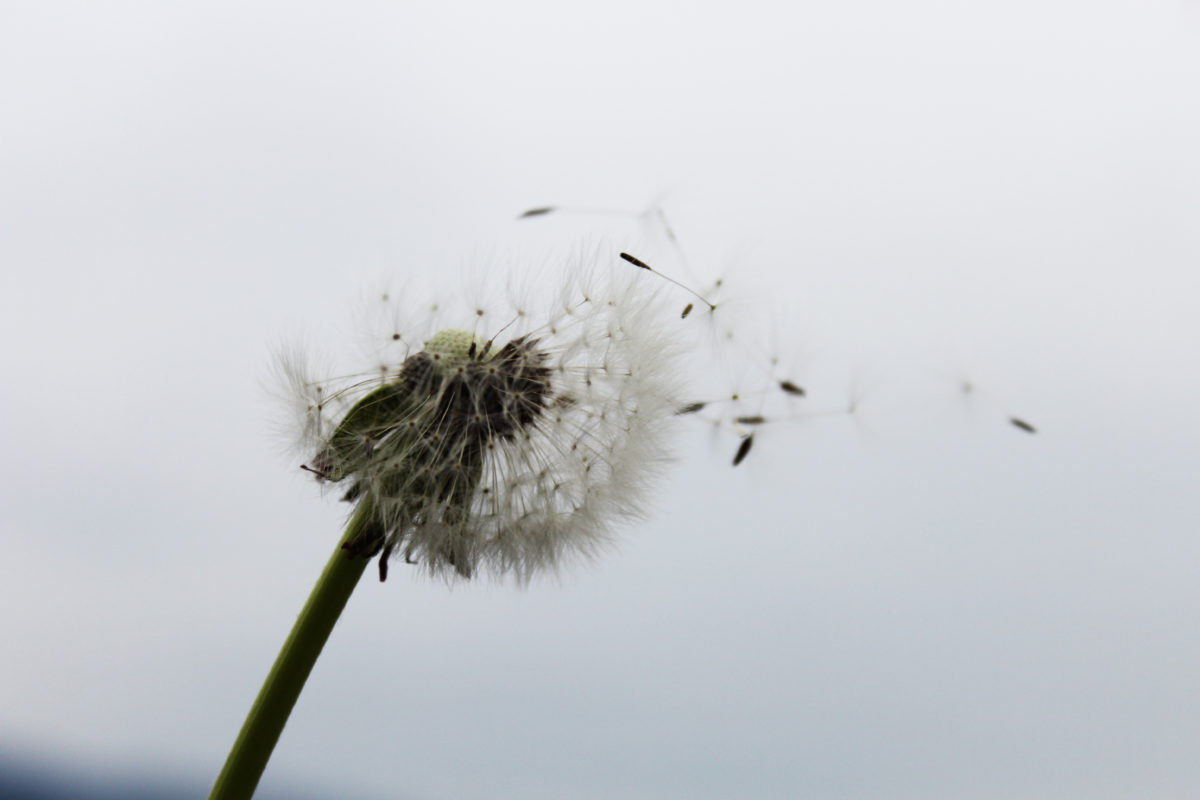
(791, 388)
(743, 449)
(690, 408)
(637, 262)
(1022, 425)
(507, 452)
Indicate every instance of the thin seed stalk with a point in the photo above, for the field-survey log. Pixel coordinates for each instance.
(260, 732)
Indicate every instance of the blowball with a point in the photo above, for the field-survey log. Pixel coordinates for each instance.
(502, 436)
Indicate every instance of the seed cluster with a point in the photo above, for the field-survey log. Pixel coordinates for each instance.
(419, 442)
(511, 455)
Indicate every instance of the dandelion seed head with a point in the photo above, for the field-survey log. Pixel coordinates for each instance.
(510, 441)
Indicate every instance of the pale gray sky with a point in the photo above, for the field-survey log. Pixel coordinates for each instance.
(925, 604)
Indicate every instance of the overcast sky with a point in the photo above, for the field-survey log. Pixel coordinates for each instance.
(920, 601)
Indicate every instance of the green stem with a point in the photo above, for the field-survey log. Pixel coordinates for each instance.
(268, 715)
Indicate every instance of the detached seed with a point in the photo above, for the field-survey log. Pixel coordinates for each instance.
(1022, 424)
(743, 449)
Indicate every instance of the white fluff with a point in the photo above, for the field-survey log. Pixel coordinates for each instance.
(570, 411)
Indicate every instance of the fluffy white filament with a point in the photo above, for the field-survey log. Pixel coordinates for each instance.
(509, 435)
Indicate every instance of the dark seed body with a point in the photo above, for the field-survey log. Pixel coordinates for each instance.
(417, 446)
(637, 262)
(743, 449)
(1022, 425)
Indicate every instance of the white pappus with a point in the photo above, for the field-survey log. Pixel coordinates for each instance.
(501, 435)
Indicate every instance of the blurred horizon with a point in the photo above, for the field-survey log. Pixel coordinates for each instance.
(39, 774)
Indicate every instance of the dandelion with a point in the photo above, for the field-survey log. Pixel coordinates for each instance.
(510, 436)
(512, 448)
(505, 439)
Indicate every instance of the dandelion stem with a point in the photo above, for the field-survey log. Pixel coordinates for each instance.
(268, 715)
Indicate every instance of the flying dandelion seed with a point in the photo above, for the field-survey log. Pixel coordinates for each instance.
(1021, 424)
(512, 449)
(969, 390)
(536, 212)
(743, 449)
(637, 262)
